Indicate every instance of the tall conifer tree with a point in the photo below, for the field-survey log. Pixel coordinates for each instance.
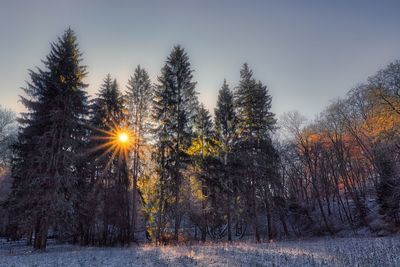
(47, 154)
(110, 163)
(255, 123)
(175, 109)
(138, 97)
(225, 126)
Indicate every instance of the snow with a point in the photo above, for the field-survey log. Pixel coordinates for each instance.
(382, 251)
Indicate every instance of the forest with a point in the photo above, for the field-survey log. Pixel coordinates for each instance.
(146, 162)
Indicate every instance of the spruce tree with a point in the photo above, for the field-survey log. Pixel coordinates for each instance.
(138, 97)
(175, 109)
(48, 148)
(225, 120)
(111, 177)
(255, 123)
(203, 132)
(225, 127)
(107, 107)
(201, 151)
(253, 107)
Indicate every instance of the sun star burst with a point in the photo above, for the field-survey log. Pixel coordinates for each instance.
(117, 141)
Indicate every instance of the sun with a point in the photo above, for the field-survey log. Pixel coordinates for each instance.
(116, 142)
(123, 137)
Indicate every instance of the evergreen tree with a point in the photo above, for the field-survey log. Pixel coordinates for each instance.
(162, 145)
(175, 109)
(139, 97)
(203, 132)
(201, 151)
(255, 122)
(225, 126)
(107, 107)
(225, 119)
(110, 173)
(253, 105)
(48, 149)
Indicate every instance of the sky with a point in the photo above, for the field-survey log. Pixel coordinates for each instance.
(307, 52)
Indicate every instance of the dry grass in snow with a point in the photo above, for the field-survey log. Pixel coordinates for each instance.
(322, 252)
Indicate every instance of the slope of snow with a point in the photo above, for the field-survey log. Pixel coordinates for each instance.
(320, 252)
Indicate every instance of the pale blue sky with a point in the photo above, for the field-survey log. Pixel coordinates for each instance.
(307, 52)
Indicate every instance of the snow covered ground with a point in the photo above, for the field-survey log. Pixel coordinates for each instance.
(384, 251)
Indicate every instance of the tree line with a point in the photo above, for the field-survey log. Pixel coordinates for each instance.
(180, 173)
(345, 163)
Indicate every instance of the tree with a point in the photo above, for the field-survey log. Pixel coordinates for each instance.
(255, 123)
(201, 150)
(48, 148)
(203, 132)
(386, 86)
(7, 135)
(110, 173)
(253, 105)
(174, 110)
(225, 128)
(387, 190)
(225, 120)
(139, 97)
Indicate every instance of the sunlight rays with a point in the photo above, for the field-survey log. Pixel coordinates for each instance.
(118, 141)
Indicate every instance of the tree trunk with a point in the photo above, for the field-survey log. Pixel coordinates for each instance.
(321, 208)
(30, 237)
(269, 220)
(41, 235)
(229, 223)
(177, 217)
(134, 190)
(256, 230)
(204, 233)
(254, 216)
(285, 228)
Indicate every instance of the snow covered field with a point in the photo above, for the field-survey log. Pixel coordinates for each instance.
(321, 252)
